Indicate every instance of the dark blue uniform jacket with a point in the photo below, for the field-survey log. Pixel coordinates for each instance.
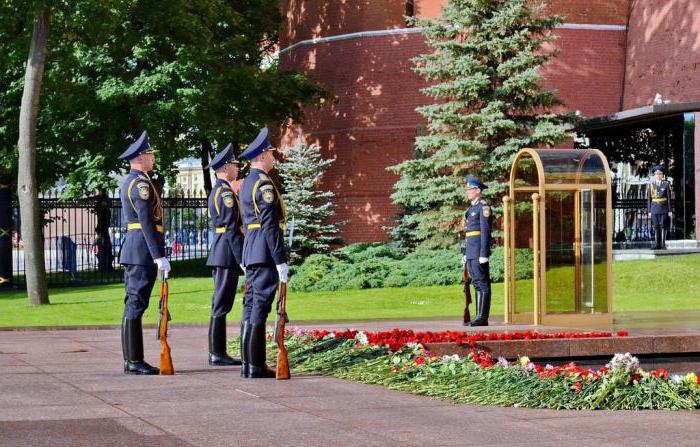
(142, 214)
(264, 217)
(227, 225)
(478, 231)
(659, 197)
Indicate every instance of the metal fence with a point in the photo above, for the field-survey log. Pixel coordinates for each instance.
(632, 225)
(82, 238)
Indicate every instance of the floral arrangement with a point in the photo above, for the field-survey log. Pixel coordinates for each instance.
(397, 359)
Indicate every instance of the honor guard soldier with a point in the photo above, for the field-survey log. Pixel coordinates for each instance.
(225, 254)
(477, 249)
(659, 206)
(143, 251)
(264, 254)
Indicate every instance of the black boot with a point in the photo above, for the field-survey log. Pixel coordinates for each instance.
(483, 310)
(256, 353)
(132, 340)
(663, 240)
(657, 238)
(245, 338)
(217, 343)
(477, 306)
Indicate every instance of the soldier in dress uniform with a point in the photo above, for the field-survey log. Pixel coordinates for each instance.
(264, 254)
(477, 249)
(142, 252)
(659, 206)
(225, 254)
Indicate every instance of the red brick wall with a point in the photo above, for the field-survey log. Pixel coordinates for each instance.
(306, 19)
(588, 74)
(663, 53)
(605, 12)
(371, 126)
(373, 123)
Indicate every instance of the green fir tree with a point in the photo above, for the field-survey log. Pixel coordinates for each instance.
(312, 207)
(484, 73)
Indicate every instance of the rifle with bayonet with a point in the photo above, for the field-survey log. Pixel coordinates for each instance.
(166, 361)
(282, 368)
(467, 294)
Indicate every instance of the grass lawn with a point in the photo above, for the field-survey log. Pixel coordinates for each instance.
(662, 284)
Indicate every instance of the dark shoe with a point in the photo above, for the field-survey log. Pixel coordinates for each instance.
(132, 343)
(478, 322)
(257, 368)
(245, 337)
(217, 343)
(139, 368)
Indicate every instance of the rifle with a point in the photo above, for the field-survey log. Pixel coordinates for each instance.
(467, 294)
(166, 361)
(282, 368)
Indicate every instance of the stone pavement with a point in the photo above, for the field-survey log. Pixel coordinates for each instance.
(65, 388)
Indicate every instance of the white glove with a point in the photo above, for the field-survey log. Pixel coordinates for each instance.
(464, 261)
(283, 271)
(670, 214)
(483, 260)
(163, 264)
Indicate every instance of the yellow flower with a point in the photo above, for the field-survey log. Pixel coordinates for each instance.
(524, 360)
(692, 380)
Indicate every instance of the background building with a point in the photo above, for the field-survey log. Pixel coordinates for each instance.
(624, 64)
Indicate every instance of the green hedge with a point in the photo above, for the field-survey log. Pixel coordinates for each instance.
(365, 266)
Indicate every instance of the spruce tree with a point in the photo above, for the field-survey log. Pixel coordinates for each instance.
(300, 173)
(483, 72)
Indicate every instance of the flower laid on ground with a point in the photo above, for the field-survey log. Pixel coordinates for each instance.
(398, 338)
(398, 360)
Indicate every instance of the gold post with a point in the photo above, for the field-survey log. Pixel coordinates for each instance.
(507, 252)
(536, 258)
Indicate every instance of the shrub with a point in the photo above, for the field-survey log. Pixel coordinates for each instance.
(364, 266)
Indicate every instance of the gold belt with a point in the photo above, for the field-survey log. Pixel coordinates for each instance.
(254, 226)
(137, 226)
(473, 233)
(220, 230)
(659, 200)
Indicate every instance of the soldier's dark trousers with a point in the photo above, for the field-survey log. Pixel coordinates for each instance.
(225, 283)
(139, 281)
(262, 285)
(480, 276)
(660, 222)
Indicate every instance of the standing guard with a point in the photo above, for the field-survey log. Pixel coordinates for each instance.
(264, 255)
(659, 206)
(477, 249)
(225, 254)
(143, 251)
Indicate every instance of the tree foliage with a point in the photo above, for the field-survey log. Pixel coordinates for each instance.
(312, 207)
(187, 72)
(484, 73)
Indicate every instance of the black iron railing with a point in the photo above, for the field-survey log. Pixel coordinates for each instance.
(82, 237)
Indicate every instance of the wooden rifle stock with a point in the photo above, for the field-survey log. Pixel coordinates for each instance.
(282, 372)
(467, 295)
(166, 361)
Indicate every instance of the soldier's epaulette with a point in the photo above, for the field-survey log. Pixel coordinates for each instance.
(264, 177)
(143, 177)
(483, 202)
